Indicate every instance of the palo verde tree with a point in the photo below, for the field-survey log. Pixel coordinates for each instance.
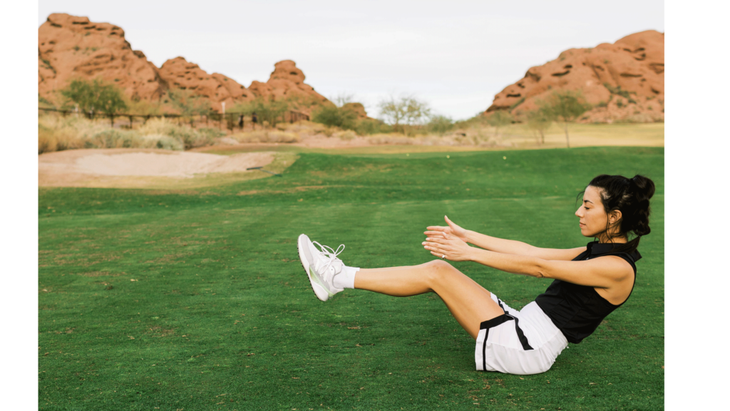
(188, 103)
(95, 96)
(403, 111)
(564, 106)
(499, 119)
(333, 116)
(538, 121)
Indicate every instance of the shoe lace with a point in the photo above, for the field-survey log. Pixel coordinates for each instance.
(331, 254)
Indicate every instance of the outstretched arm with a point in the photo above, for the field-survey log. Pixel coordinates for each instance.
(501, 245)
(603, 272)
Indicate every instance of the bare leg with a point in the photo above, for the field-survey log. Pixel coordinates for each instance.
(468, 301)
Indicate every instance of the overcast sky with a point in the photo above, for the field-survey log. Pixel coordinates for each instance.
(455, 55)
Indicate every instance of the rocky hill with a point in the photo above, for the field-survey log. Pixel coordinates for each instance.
(72, 47)
(216, 88)
(287, 81)
(624, 81)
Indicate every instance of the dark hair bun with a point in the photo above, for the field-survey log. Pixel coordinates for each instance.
(644, 187)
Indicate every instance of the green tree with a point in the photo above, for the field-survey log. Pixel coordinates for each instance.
(188, 104)
(564, 106)
(266, 109)
(403, 111)
(538, 121)
(333, 116)
(499, 119)
(95, 96)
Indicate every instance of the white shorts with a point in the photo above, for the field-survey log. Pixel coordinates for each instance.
(518, 342)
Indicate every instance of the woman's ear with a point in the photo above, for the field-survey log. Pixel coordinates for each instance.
(614, 216)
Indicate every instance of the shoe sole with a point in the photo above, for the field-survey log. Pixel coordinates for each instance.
(306, 265)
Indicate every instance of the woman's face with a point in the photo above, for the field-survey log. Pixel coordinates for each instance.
(593, 218)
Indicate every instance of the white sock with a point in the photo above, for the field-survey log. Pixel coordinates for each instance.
(346, 277)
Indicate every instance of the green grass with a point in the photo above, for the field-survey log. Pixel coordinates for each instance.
(196, 300)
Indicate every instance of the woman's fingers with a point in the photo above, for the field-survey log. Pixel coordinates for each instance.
(434, 241)
(431, 245)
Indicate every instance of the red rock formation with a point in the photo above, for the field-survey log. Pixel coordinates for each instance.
(624, 81)
(217, 88)
(287, 82)
(73, 47)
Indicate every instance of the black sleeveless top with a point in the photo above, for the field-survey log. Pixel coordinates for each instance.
(578, 309)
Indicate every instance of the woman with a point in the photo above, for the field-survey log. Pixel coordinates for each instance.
(589, 282)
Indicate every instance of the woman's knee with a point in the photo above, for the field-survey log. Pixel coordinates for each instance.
(439, 271)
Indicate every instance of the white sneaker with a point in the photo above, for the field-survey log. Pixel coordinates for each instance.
(321, 266)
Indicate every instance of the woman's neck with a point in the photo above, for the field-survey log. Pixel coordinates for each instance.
(604, 239)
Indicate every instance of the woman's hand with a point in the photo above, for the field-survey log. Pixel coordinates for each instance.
(448, 246)
(451, 229)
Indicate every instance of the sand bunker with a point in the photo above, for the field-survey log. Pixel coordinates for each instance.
(73, 167)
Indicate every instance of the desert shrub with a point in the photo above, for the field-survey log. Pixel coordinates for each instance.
(370, 126)
(390, 138)
(346, 135)
(162, 142)
(303, 128)
(46, 140)
(211, 132)
(160, 126)
(112, 138)
(266, 136)
(329, 131)
(57, 133)
(190, 138)
(79, 127)
(440, 125)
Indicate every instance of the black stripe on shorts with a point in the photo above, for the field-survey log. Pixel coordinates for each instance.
(486, 325)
